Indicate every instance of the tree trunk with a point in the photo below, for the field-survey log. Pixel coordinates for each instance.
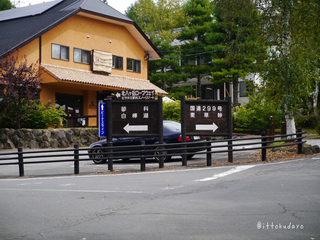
(290, 123)
(235, 92)
(199, 86)
(315, 101)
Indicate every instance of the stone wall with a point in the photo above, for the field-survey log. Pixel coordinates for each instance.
(53, 138)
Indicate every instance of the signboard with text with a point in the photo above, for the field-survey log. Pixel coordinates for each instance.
(135, 95)
(207, 117)
(134, 117)
(102, 120)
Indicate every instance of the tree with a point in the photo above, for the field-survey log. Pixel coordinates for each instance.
(164, 73)
(159, 20)
(290, 30)
(195, 59)
(5, 5)
(233, 56)
(22, 85)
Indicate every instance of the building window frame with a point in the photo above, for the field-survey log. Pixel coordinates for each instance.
(60, 52)
(245, 87)
(133, 65)
(84, 55)
(117, 62)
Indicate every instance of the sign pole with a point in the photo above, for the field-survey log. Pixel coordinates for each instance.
(230, 142)
(160, 123)
(183, 130)
(109, 134)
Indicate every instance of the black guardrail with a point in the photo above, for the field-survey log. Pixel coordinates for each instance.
(144, 151)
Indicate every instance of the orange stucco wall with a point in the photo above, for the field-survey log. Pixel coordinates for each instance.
(88, 34)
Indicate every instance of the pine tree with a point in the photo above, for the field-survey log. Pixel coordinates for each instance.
(195, 59)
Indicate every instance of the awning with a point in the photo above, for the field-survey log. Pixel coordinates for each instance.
(88, 77)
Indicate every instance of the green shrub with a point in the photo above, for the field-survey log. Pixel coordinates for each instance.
(318, 128)
(45, 116)
(172, 111)
(256, 113)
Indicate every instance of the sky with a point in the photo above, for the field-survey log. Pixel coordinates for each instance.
(120, 5)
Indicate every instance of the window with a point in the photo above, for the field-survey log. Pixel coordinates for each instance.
(117, 62)
(185, 61)
(81, 56)
(245, 88)
(60, 52)
(133, 65)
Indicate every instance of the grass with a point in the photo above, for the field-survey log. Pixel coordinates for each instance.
(311, 133)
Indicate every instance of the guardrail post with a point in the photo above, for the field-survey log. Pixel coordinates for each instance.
(299, 135)
(76, 159)
(21, 165)
(209, 157)
(263, 146)
(143, 159)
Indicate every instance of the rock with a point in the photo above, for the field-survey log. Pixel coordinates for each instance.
(9, 131)
(46, 136)
(8, 144)
(93, 139)
(63, 142)
(37, 132)
(83, 138)
(11, 138)
(59, 134)
(28, 137)
(39, 139)
(315, 149)
(54, 143)
(76, 131)
(18, 142)
(82, 131)
(4, 138)
(76, 142)
(70, 135)
(20, 133)
(307, 150)
(45, 144)
(33, 144)
(21, 144)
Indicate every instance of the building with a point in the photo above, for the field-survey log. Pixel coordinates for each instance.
(86, 49)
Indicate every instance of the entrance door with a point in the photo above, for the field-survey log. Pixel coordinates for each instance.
(73, 105)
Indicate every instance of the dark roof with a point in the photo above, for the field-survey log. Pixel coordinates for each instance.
(22, 25)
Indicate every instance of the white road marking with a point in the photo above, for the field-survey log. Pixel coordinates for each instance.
(171, 188)
(223, 174)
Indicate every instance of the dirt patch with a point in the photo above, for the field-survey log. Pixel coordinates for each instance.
(285, 153)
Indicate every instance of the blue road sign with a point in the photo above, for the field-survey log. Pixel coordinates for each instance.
(102, 120)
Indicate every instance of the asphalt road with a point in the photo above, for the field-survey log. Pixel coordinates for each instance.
(278, 200)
